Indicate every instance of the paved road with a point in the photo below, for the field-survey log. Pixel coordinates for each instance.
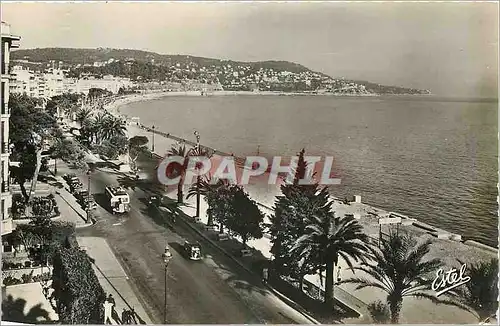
(214, 290)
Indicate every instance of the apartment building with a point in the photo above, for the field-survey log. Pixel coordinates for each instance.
(53, 82)
(9, 42)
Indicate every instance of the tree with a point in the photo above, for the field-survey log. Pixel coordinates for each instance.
(111, 126)
(82, 115)
(79, 295)
(66, 150)
(481, 292)
(178, 170)
(400, 270)
(210, 190)
(137, 145)
(244, 218)
(113, 147)
(30, 125)
(291, 212)
(45, 233)
(327, 237)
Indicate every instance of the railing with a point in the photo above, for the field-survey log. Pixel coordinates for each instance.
(239, 160)
(4, 187)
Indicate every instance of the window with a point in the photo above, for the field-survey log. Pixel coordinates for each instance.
(3, 59)
(3, 97)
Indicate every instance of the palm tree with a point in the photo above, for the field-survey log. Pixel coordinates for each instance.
(112, 126)
(481, 292)
(83, 114)
(207, 186)
(400, 270)
(179, 170)
(328, 237)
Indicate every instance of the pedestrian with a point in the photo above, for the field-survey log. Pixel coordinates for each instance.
(338, 275)
(124, 316)
(111, 299)
(107, 312)
(265, 274)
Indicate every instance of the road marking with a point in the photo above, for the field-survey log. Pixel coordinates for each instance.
(119, 223)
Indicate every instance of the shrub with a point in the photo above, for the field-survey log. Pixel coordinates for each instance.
(27, 278)
(76, 288)
(379, 312)
(9, 280)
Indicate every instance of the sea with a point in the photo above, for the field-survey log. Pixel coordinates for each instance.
(433, 159)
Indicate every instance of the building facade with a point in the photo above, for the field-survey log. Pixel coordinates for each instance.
(9, 42)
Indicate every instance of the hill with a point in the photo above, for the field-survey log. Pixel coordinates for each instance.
(231, 75)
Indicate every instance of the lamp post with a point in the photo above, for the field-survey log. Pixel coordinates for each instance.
(167, 255)
(153, 145)
(197, 135)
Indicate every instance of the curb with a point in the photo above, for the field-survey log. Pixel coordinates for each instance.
(84, 218)
(278, 294)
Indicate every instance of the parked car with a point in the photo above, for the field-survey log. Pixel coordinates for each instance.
(89, 203)
(80, 194)
(75, 187)
(69, 176)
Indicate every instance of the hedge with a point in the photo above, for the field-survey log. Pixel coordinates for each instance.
(79, 295)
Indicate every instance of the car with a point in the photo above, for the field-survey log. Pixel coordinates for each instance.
(69, 176)
(81, 194)
(154, 200)
(192, 250)
(73, 188)
(89, 204)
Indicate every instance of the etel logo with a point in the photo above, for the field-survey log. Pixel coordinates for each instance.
(444, 282)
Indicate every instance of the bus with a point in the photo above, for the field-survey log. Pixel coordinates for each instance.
(119, 200)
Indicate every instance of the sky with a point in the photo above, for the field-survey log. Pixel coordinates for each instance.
(449, 48)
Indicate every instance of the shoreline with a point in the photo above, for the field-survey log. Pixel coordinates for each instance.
(265, 197)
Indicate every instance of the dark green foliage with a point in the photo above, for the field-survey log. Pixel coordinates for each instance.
(481, 292)
(98, 92)
(113, 147)
(328, 237)
(42, 206)
(28, 121)
(79, 295)
(66, 103)
(27, 117)
(380, 312)
(399, 268)
(138, 141)
(291, 212)
(244, 217)
(42, 237)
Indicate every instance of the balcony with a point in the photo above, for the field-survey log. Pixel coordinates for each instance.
(7, 226)
(4, 187)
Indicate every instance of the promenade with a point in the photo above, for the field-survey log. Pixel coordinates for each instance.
(446, 246)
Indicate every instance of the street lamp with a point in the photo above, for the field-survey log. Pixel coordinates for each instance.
(153, 146)
(167, 255)
(198, 177)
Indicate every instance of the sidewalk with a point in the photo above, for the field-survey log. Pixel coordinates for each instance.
(112, 276)
(70, 209)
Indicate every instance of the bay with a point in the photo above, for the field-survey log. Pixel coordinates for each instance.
(433, 160)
